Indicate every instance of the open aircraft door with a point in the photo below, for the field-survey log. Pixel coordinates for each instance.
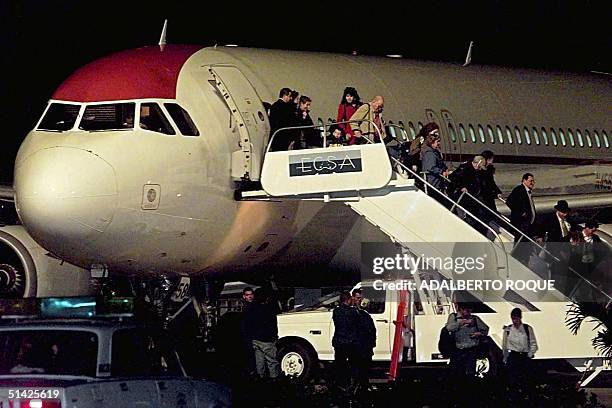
(449, 147)
(251, 119)
(452, 138)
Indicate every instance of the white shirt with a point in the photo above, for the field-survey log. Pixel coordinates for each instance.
(515, 339)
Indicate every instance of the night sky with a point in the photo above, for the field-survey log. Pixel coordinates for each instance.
(43, 42)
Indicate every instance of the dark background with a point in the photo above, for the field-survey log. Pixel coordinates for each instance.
(43, 42)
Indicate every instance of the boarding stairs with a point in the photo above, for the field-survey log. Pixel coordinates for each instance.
(363, 177)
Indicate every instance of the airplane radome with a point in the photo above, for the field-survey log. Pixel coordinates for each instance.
(135, 162)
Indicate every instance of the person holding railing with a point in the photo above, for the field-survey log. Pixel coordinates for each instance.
(468, 179)
(490, 190)
(434, 168)
(522, 216)
(369, 123)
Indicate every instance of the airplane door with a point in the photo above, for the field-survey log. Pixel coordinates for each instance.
(454, 150)
(448, 147)
(251, 119)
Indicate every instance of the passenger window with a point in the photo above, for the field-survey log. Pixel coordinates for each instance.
(451, 131)
(491, 135)
(412, 131)
(587, 135)
(59, 117)
(152, 118)
(500, 134)
(182, 119)
(597, 141)
(471, 131)
(605, 139)
(517, 133)
(562, 137)
(544, 136)
(462, 131)
(526, 134)
(580, 139)
(391, 129)
(570, 136)
(536, 136)
(553, 137)
(509, 134)
(420, 124)
(481, 134)
(115, 116)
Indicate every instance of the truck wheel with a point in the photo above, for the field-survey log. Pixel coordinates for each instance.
(297, 361)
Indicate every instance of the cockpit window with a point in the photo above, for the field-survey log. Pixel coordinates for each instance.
(59, 117)
(182, 119)
(152, 118)
(114, 116)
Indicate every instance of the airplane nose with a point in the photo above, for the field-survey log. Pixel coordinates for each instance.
(65, 196)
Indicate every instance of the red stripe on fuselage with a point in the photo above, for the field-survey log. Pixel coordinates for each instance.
(146, 72)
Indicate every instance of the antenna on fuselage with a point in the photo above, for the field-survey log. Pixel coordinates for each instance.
(468, 57)
(162, 38)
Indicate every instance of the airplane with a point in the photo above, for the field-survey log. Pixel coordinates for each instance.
(134, 164)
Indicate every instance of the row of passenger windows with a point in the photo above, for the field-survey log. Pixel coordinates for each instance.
(533, 136)
(119, 116)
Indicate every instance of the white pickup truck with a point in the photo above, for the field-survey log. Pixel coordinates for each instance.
(305, 334)
(96, 363)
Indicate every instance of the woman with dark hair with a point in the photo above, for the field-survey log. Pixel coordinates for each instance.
(349, 103)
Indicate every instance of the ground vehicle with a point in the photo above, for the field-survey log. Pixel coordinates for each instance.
(101, 362)
(305, 336)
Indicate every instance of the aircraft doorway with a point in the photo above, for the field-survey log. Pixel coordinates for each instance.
(247, 109)
(446, 147)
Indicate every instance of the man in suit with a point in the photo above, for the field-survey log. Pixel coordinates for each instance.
(522, 215)
(522, 209)
(282, 114)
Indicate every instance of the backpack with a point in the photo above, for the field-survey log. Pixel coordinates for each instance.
(446, 341)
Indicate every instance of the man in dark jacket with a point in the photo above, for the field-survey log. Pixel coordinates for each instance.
(282, 114)
(490, 190)
(467, 179)
(522, 209)
(263, 331)
(366, 340)
(345, 320)
(555, 230)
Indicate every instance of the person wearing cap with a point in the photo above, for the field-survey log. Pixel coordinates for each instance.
(555, 230)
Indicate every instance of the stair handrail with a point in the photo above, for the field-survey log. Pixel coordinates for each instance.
(539, 247)
(325, 127)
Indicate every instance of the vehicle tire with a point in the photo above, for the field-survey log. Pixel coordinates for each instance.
(297, 361)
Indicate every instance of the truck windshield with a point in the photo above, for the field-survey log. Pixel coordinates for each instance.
(57, 352)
